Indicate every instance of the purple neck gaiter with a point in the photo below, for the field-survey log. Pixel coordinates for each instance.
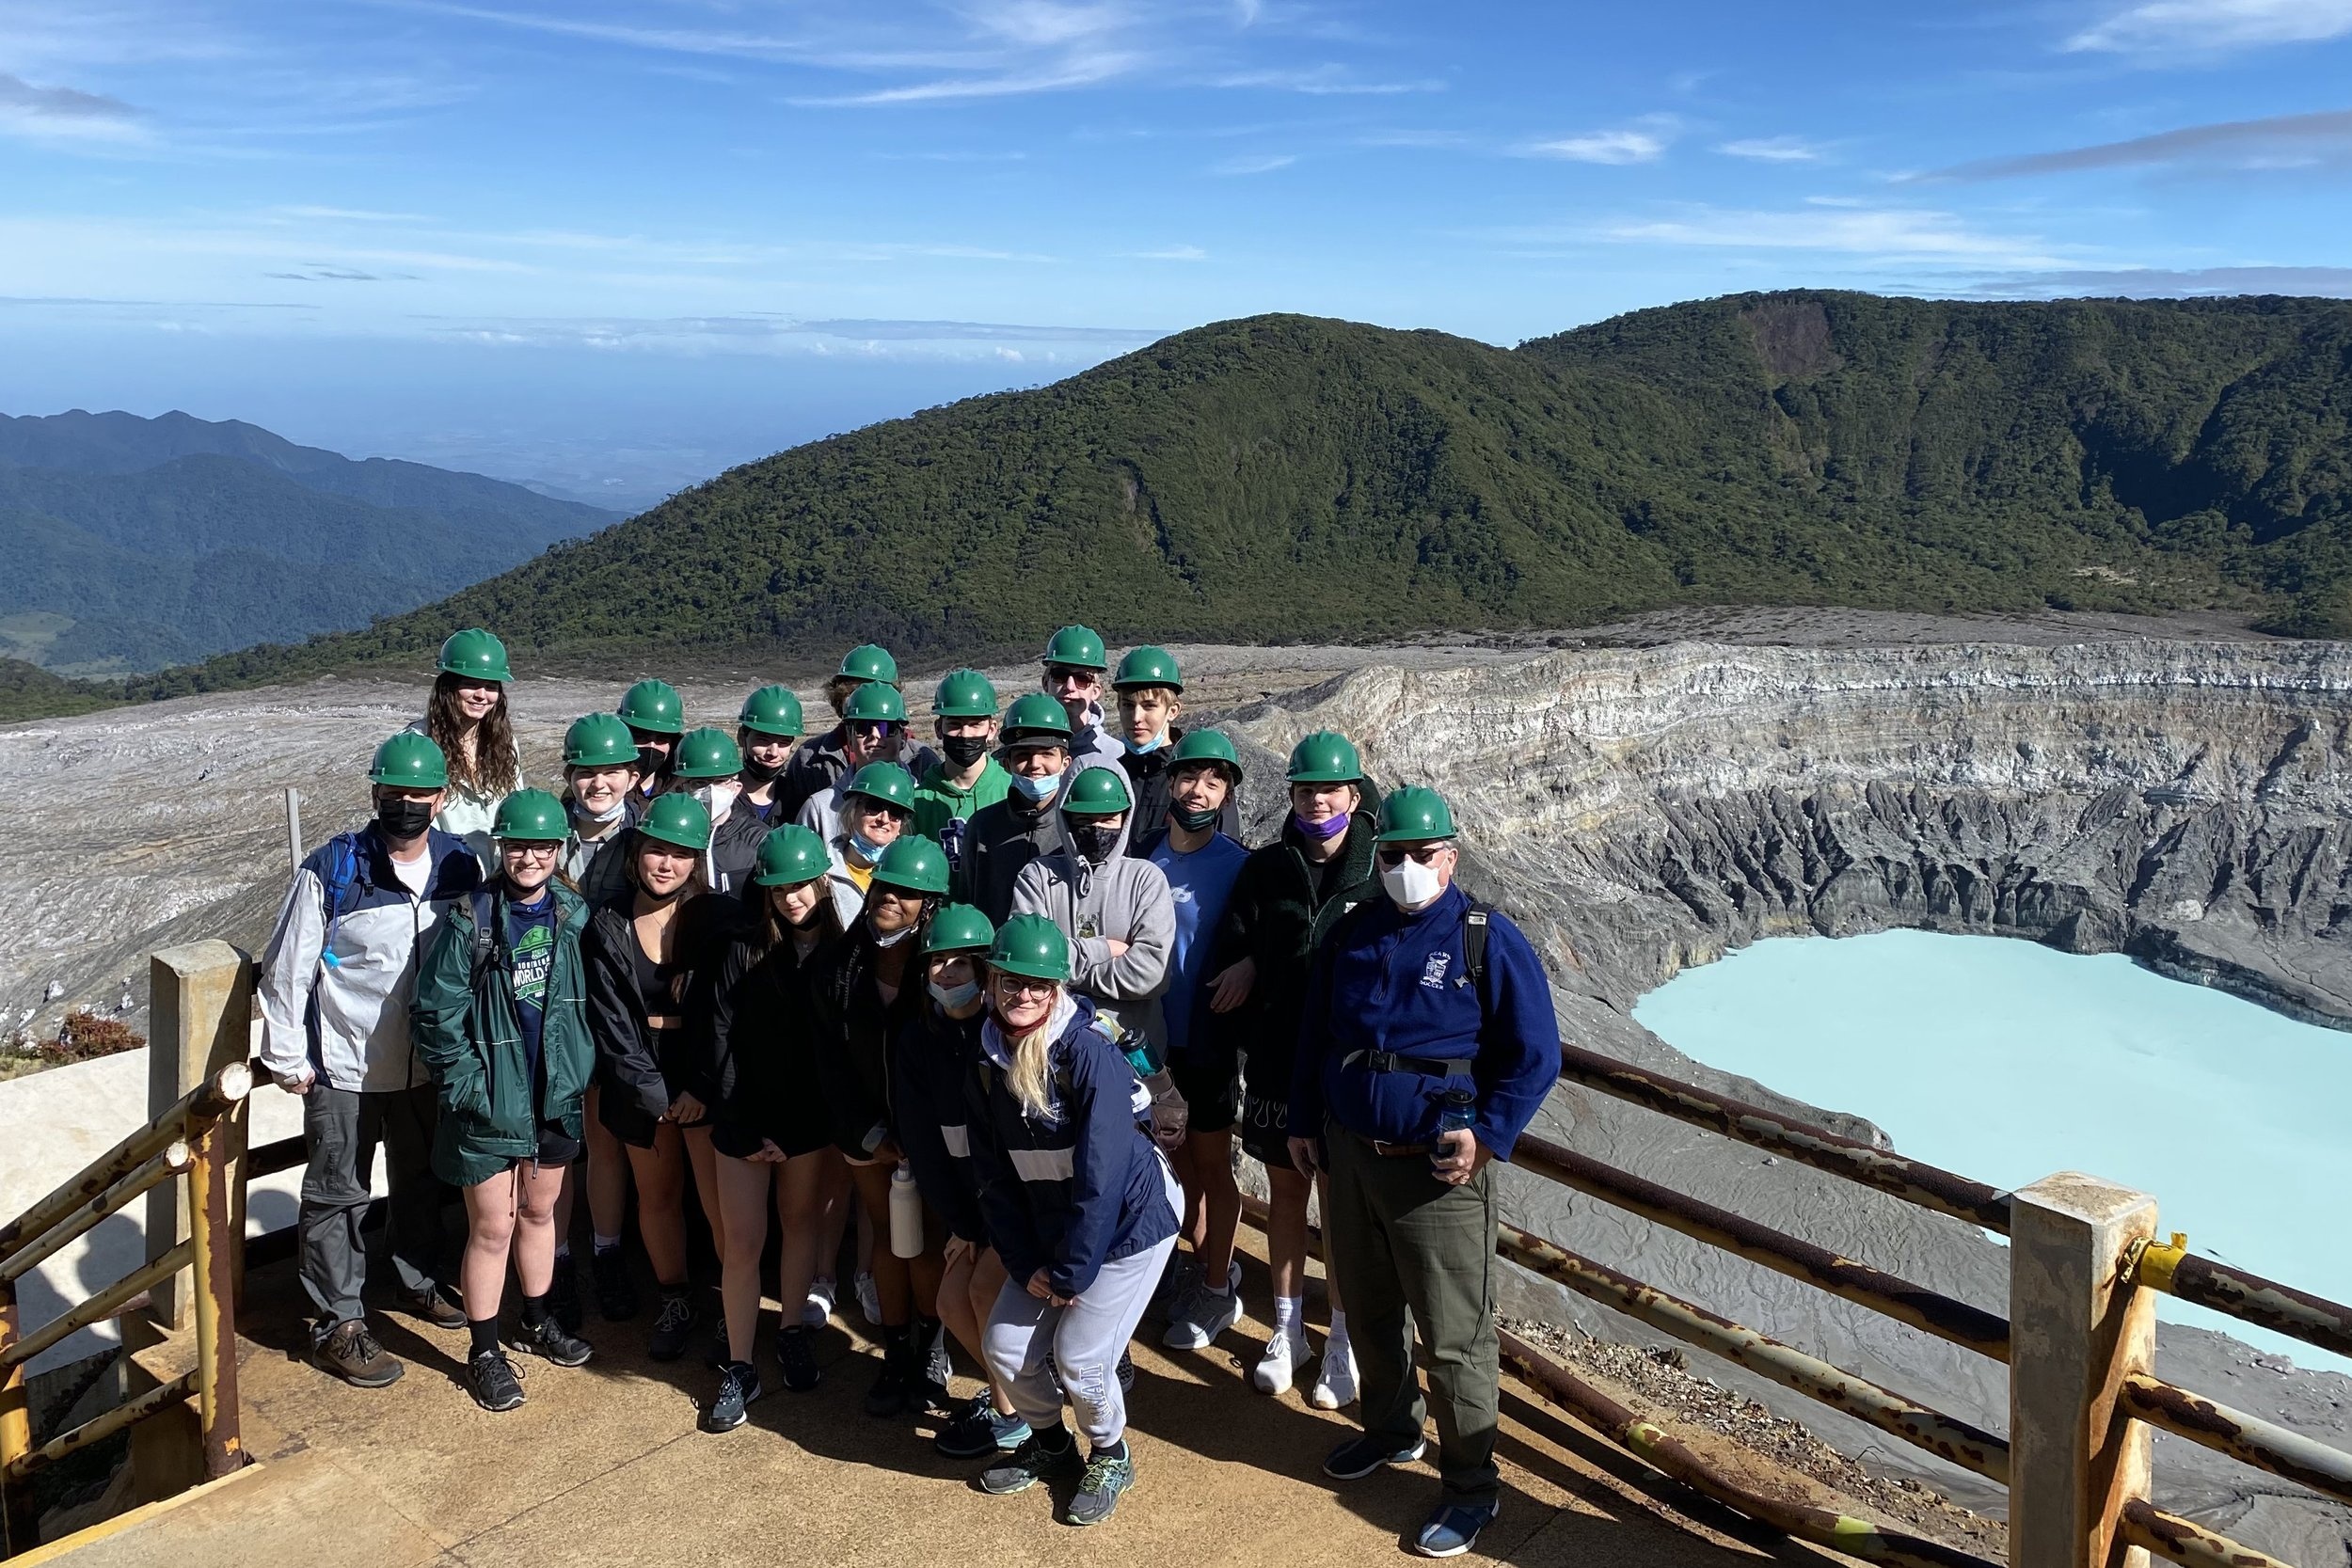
(1322, 832)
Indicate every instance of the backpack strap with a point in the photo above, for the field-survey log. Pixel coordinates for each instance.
(486, 937)
(1474, 925)
(343, 869)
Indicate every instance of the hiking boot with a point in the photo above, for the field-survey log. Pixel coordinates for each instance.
(564, 1296)
(491, 1380)
(1453, 1529)
(738, 1386)
(433, 1307)
(977, 1432)
(1200, 1315)
(351, 1353)
(892, 1384)
(798, 1358)
(1360, 1456)
(672, 1326)
(616, 1293)
(1029, 1464)
(551, 1341)
(1105, 1478)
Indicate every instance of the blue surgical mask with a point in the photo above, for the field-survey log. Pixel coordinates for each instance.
(1037, 791)
(952, 997)
(866, 849)
(1136, 749)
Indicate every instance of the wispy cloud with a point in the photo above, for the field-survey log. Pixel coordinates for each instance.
(349, 214)
(2167, 283)
(65, 114)
(1172, 253)
(1772, 149)
(1643, 142)
(1908, 233)
(2165, 26)
(1262, 163)
(2282, 141)
(337, 275)
(1321, 81)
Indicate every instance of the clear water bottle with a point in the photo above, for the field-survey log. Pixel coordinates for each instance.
(906, 1213)
(1457, 1110)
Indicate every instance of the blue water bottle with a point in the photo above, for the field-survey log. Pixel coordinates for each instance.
(1455, 1114)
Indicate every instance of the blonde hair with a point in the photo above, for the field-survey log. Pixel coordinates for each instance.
(1031, 1076)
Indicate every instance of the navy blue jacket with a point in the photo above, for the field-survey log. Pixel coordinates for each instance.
(931, 1059)
(1080, 1186)
(1392, 981)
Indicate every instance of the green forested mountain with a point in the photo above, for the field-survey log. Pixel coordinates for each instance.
(1286, 477)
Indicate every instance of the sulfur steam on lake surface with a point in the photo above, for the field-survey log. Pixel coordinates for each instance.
(2005, 1061)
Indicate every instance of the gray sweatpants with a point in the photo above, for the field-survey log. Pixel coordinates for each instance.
(1086, 1339)
(341, 1131)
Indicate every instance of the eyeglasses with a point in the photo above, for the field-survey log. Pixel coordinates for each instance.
(1428, 854)
(1013, 985)
(537, 849)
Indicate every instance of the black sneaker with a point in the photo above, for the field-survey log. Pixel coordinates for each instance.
(1360, 1456)
(616, 1293)
(551, 1341)
(564, 1296)
(672, 1326)
(892, 1386)
(1029, 1464)
(738, 1386)
(1126, 1375)
(1099, 1491)
(798, 1361)
(976, 1432)
(933, 1375)
(490, 1379)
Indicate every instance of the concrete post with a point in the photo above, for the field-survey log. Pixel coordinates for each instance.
(199, 1009)
(2077, 1324)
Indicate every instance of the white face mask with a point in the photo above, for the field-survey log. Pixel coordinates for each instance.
(1411, 884)
(720, 798)
(895, 938)
(952, 997)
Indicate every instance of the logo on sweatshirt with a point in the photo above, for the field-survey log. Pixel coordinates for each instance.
(1432, 973)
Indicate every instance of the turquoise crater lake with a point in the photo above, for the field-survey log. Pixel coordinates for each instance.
(2005, 1061)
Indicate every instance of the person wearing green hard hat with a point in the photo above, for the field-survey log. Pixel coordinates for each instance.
(1426, 1045)
(337, 980)
(767, 730)
(501, 1025)
(600, 795)
(1082, 1209)
(874, 721)
(1149, 688)
(1075, 667)
(656, 716)
(768, 1131)
(1284, 903)
(967, 780)
(467, 717)
(932, 1058)
(645, 950)
(874, 732)
(710, 768)
(864, 989)
(877, 808)
(1034, 749)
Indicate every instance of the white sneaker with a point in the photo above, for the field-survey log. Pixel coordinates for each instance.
(869, 1300)
(1200, 1316)
(1335, 1379)
(1277, 1369)
(819, 1307)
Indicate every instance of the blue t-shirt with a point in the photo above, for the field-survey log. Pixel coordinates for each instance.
(1200, 882)
(530, 946)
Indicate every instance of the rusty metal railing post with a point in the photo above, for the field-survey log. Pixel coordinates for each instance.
(19, 1528)
(215, 1293)
(2079, 1325)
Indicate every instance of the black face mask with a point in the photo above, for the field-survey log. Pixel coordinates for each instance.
(1193, 821)
(759, 773)
(965, 750)
(403, 818)
(652, 760)
(1095, 842)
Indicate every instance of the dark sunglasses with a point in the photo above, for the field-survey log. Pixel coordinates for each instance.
(1428, 854)
(1084, 677)
(882, 727)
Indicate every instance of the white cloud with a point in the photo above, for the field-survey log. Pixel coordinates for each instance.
(1321, 81)
(1772, 149)
(54, 114)
(1604, 147)
(1905, 232)
(2164, 26)
(1265, 163)
(1172, 253)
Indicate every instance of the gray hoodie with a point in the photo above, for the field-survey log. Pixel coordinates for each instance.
(1123, 899)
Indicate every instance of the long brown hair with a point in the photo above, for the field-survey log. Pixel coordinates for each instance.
(491, 768)
(769, 929)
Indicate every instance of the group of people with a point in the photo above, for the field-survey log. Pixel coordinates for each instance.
(984, 1012)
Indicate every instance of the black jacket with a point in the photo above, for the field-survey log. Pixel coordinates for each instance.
(818, 761)
(640, 1071)
(854, 1031)
(997, 843)
(753, 1036)
(930, 1060)
(735, 853)
(1277, 917)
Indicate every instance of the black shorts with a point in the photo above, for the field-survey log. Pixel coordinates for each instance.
(1211, 1084)
(1264, 1127)
(556, 1146)
(795, 1136)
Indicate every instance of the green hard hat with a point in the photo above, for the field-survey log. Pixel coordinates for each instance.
(957, 927)
(1035, 710)
(475, 652)
(409, 761)
(914, 862)
(886, 781)
(1149, 667)
(653, 706)
(678, 818)
(531, 817)
(1206, 746)
(875, 704)
(965, 694)
(1325, 756)
(1032, 946)
(867, 662)
(1096, 792)
(599, 740)
(1415, 813)
(1078, 648)
(791, 855)
(708, 753)
(773, 710)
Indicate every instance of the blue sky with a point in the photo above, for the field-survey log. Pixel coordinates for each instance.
(623, 243)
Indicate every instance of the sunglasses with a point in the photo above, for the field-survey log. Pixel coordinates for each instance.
(1426, 855)
(874, 727)
(1073, 678)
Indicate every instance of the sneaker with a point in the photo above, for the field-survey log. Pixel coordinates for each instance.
(1029, 1464)
(738, 1386)
(1126, 1372)
(797, 1359)
(892, 1386)
(1200, 1316)
(977, 1432)
(616, 1293)
(868, 1300)
(1453, 1529)
(490, 1379)
(1105, 1478)
(671, 1327)
(1335, 1378)
(934, 1373)
(1277, 1369)
(433, 1307)
(351, 1353)
(551, 1341)
(1360, 1456)
(819, 1307)
(564, 1296)
(1182, 1273)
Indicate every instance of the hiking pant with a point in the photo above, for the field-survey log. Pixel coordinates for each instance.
(340, 1130)
(1409, 1251)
